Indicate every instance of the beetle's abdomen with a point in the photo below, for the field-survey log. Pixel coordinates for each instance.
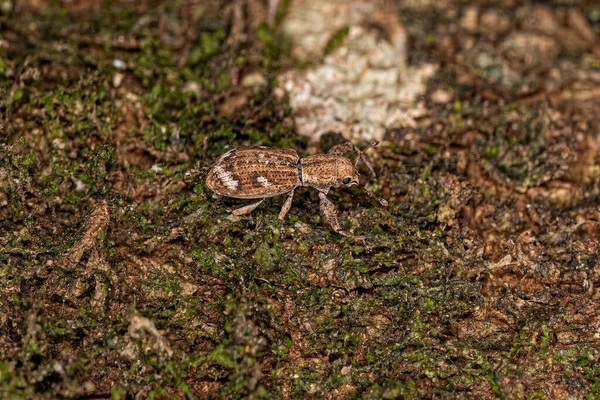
(254, 172)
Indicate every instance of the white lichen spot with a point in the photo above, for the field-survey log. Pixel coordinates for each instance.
(265, 182)
(365, 87)
(225, 177)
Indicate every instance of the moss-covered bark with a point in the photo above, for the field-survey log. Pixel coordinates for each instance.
(122, 274)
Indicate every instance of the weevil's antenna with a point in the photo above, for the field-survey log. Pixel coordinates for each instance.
(381, 201)
(361, 157)
(374, 143)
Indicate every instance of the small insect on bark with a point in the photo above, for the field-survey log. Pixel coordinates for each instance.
(259, 172)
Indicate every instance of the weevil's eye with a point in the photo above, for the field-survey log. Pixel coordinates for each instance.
(346, 180)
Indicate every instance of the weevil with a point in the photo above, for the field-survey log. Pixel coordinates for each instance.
(259, 172)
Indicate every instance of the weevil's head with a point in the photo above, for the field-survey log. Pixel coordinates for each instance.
(347, 173)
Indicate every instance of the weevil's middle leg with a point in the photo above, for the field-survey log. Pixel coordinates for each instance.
(286, 206)
(247, 209)
(329, 215)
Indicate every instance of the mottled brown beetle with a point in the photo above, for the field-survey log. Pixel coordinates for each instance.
(259, 172)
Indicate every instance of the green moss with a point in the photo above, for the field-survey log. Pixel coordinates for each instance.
(262, 256)
(430, 149)
(205, 261)
(208, 46)
(246, 309)
(491, 152)
(336, 40)
(457, 106)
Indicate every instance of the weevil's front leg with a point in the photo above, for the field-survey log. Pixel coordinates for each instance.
(286, 206)
(342, 149)
(329, 215)
(246, 209)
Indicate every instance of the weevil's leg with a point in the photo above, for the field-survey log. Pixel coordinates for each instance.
(342, 149)
(361, 157)
(286, 206)
(284, 210)
(246, 209)
(329, 215)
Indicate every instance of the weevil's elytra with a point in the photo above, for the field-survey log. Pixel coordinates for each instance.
(254, 173)
(259, 172)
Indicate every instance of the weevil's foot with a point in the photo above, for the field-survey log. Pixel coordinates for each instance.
(329, 216)
(246, 209)
(281, 231)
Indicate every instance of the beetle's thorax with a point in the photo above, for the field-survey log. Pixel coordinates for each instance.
(322, 171)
